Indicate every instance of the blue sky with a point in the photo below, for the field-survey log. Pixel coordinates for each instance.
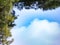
(36, 27)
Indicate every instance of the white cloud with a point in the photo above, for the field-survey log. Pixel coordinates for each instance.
(38, 27)
(42, 29)
(16, 34)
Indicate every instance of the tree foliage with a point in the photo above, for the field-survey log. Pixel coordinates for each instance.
(6, 21)
(43, 4)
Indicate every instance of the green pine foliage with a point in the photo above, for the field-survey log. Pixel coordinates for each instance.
(6, 21)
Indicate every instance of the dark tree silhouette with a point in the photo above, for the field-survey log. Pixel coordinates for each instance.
(35, 4)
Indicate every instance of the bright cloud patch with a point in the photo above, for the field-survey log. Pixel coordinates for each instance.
(39, 32)
(39, 27)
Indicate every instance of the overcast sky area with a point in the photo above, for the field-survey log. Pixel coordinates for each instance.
(37, 27)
